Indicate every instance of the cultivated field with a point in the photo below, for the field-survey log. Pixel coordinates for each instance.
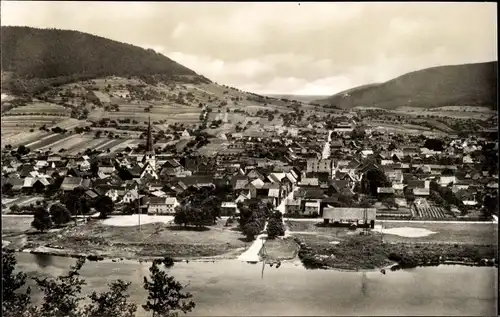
(42, 108)
(47, 141)
(23, 123)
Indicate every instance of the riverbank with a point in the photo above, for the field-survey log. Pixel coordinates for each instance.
(368, 252)
(147, 242)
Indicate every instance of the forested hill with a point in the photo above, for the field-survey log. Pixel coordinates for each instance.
(30, 53)
(456, 85)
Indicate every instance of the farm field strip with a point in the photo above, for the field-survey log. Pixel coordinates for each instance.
(56, 142)
(49, 141)
(74, 140)
(121, 145)
(103, 145)
(42, 139)
(111, 144)
(90, 144)
(25, 137)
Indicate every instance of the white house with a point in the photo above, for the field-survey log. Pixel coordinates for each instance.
(130, 196)
(162, 205)
(113, 194)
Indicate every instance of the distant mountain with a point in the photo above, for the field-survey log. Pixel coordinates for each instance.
(34, 56)
(303, 98)
(456, 85)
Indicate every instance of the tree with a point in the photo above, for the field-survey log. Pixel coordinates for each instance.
(165, 296)
(373, 179)
(434, 144)
(22, 150)
(275, 225)
(60, 294)
(113, 303)
(251, 229)
(104, 205)
(390, 203)
(59, 214)
(41, 219)
(14, 302)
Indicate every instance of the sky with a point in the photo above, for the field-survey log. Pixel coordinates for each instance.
(284, 48)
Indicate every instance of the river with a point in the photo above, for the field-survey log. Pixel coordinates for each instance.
(235, 288)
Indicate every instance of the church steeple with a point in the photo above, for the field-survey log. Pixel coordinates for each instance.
(149, 140)
(149, 157)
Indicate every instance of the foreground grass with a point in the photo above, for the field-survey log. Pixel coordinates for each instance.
(151, 240)
(280, 249)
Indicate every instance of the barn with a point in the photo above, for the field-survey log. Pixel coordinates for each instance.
(359, 216)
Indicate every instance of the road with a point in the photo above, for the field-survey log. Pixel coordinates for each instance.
(252, 253)
(326, 148)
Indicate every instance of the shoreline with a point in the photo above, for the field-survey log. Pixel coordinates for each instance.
(402, 256)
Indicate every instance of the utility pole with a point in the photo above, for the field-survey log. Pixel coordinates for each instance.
(139, 212)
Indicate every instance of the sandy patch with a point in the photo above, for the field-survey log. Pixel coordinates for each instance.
(335, 242)
(406, 232)
(133, 220)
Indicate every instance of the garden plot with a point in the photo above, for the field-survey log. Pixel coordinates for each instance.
(121, 145)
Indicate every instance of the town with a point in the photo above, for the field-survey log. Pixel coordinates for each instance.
(341, 173)
(249, 159)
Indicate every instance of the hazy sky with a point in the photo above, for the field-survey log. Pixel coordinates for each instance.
(311, 48)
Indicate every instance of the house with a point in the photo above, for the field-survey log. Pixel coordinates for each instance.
(70, 183)
(185, 134)
(162, 205)
(309, 182)
(292, 206)
(229, 208)
(319, 166)
(130, 196)
(148, 170)
(421, 192)
(358, 216)
(84, 165)
(312, 208)
(112, 193)
(446, 180)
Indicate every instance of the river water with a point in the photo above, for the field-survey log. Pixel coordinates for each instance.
(233, 288)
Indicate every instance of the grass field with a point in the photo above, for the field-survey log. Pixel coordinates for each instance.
(280, 249)
(448, 233)
(156, 239)
(12, 225)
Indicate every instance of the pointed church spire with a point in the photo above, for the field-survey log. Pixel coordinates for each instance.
(149, 141)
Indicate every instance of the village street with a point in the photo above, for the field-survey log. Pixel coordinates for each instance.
(326, 148)
(252, 253)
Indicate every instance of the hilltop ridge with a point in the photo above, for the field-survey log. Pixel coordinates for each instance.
(33, 59)
(473, 85)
